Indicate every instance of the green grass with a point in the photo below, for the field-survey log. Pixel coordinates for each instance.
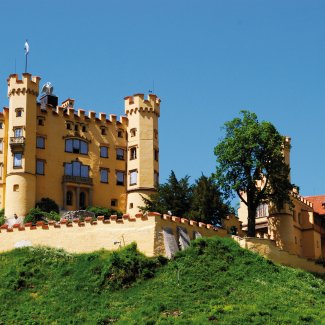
(213, 282)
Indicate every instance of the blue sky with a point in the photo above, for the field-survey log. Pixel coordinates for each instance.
(208, 60)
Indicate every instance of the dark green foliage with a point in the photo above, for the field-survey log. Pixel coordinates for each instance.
(47, 205)
(213, 281)
(251, 151)
(175, 196)
(2, 217)
(207, 203)
(34, 215)
(202, 201)
(106, 212)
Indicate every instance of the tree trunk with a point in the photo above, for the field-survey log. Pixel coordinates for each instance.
(251, 222)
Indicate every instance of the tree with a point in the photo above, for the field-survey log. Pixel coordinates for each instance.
(207, 204)
(175, 196)
(250, 160)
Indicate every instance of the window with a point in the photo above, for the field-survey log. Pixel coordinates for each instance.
(84, 128)
(113, 202)
(119, 178)
(18, 132)
(104, 175)
(119, 154)
(133, 132)
(299, 218)
(40, 167)
(69, 197)
(40, 121)
(131, 206)
(76, 146)
(68, 126)
(76, 128)
(156, 178)
(133, 177)
(133, 153)
(120, 133)
(40, 142)
(16, 188)
(18, 156)
(262, 210)
(103, 131)
(1, 125)
(19, 112)
(1, 145)
(1, 170)
(76, 168)
(104, 152)
(156, 153)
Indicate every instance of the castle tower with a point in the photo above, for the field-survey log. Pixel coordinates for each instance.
(143, 148)
(21, 158)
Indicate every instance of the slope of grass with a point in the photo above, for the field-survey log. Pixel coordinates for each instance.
(214, 281)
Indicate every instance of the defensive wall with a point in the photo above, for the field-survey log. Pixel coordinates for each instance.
(267, 248)
(154, 234)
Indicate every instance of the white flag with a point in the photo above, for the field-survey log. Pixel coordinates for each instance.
(26, 47)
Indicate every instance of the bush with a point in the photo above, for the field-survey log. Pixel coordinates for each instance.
(2, 217)
(47, 205)
(51, 215)
(106, 212)
(34, 215)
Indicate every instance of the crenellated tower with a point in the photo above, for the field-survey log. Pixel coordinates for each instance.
(20, 192)
(143, 148)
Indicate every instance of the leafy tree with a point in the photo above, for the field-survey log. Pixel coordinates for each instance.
(175, 196)
(207, 203)
(250, 160)
(2, 217)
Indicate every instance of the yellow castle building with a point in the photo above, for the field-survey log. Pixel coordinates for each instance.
(72, 156)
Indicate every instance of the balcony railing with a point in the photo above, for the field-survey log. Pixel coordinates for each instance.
(77, 180)
(17, 143)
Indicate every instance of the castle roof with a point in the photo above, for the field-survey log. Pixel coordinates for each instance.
(318, 203)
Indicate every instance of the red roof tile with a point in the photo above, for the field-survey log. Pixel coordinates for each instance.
(317, 201)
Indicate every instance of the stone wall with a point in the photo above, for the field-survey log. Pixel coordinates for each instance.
(89, 235)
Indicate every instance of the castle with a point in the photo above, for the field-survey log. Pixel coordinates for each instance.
(75, 158)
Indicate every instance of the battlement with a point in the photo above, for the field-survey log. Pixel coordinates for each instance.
(137, 102)
(155, 234)
(28, 84)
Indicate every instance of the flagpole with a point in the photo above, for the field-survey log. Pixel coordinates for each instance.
(26, 63)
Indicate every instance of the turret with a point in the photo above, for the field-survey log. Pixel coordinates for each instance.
(21, 159)
(143, 148)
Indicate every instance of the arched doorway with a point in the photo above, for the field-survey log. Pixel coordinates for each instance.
(82, 201)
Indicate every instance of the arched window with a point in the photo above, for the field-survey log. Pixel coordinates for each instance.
(76, 146)
(69, 198)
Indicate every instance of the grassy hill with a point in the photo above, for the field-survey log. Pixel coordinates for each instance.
(213, 282)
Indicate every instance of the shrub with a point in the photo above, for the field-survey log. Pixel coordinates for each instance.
(2, 217)
(47, 205)
(34, 215)
(51, 215)
(106, 212)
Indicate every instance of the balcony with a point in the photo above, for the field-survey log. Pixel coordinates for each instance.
(77, 180)
(17, 143)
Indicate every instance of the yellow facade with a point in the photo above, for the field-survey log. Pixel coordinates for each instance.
(74, 157)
